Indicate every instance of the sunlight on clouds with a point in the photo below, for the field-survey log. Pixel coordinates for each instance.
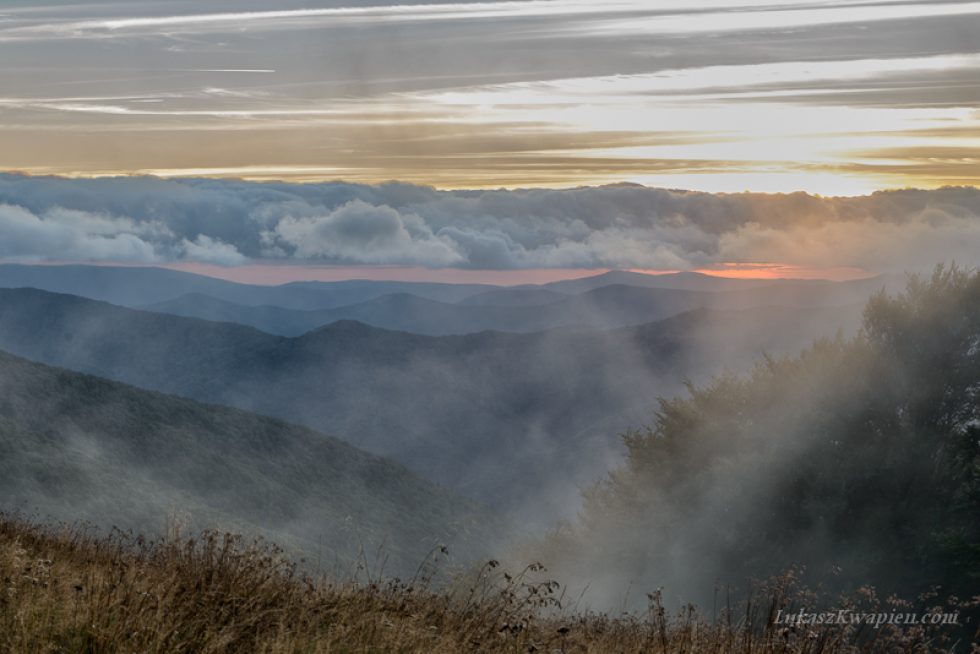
(418, 12)
(772, 20)
(835, 97)
(772, 179)
(750, 131)
(634, 88)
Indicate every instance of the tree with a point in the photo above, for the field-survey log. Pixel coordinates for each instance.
(859, 459)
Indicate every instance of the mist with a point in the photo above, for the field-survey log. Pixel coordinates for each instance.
(693, 454)
(489, 326)
(509, 420)
(847, 466)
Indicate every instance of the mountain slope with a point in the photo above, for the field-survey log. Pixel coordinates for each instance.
(125, 286)
(682, 281)
(479, 412)
(155, 351)
(610, 306)
(270, 319)
(398, 311)
(509, 297)
(699, 282)
(362, 290)
(77, 447)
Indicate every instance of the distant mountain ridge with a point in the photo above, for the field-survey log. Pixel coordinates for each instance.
(522, 310)
(511, 297)
(136, 286)
(679, 281)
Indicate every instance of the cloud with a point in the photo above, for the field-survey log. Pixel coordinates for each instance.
(69, 235)
(931, 235)
(231, 222)
(358, 232)
(205, 249)
(60, 233)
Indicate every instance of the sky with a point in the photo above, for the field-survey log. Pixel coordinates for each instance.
(526, 139)
(835, 97)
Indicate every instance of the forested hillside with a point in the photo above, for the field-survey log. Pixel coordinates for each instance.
(79, 448)
(859, 460)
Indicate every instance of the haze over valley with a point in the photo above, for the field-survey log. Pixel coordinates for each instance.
(502, 418)
(489, 326)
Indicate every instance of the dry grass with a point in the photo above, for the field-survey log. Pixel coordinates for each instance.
(65, 590)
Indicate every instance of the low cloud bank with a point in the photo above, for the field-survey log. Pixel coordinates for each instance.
(231, 222)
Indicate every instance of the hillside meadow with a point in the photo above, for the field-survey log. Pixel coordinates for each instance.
(67, 591)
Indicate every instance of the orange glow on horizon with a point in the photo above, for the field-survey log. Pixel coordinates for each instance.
(271, 274)
(772, 271)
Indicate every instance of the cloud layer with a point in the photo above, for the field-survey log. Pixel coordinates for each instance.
(224, 222)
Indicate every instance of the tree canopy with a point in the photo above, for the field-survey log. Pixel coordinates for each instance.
(858, 459)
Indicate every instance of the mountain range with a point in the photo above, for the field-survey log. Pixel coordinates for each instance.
(525, 309)
(508, 419)
(612, 299)
(135, 286)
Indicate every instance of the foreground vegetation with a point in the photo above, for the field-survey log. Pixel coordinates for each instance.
(64, 590)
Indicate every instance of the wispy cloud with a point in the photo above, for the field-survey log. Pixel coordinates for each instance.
(222, 20)
(704, 83)
(764, 18)
(708, 15)
(225, 70)
(831, 96)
